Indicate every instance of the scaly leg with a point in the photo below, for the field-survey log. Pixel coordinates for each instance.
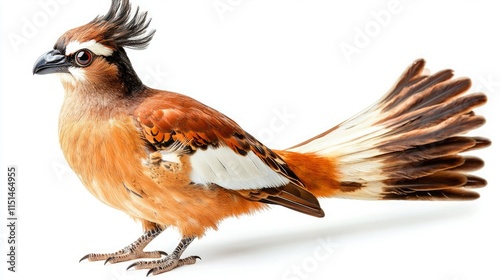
(132, 251)
(169, 262)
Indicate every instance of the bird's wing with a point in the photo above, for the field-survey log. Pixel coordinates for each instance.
(220, 152)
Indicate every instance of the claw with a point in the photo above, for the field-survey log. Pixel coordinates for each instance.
(188, 260)
(132, 265)
(107, 260)
(84, 258)
(163, 253)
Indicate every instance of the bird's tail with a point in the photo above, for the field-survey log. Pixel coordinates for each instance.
(408, 145)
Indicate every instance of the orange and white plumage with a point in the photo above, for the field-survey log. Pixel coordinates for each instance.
(168, 160)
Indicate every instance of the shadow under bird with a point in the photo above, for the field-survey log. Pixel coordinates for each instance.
(168, 160)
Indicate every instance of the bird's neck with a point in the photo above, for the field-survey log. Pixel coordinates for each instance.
(98, 104)
(130, 81)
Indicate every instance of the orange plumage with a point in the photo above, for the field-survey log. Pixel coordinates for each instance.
(168, 160)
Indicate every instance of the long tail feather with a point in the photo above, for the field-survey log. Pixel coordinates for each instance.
(408, 145)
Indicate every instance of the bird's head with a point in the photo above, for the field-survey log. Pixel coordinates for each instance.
(93, 55)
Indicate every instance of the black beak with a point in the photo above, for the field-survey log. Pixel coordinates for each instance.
(51, 62)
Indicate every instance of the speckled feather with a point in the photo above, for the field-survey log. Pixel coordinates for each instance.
(187, 127)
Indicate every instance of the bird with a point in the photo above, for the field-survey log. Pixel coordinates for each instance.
(168, 160)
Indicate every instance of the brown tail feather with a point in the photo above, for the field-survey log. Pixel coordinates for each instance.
(406, 146)
(448, 194)
(446, 147)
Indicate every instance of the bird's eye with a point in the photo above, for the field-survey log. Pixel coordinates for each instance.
(83, 57)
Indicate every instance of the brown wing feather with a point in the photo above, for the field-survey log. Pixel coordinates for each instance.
(177, 122)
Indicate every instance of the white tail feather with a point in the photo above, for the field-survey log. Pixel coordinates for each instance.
(419, 112)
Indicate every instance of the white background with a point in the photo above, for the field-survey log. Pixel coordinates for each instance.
(250, 61)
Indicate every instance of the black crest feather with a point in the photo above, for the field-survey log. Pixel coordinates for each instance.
(124, 29)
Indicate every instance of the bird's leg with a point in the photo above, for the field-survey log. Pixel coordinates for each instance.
(132, 251)
(169, 262)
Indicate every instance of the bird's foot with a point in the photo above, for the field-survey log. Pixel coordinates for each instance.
(122, 255)
(169, 262)
(131, 252)
(166, 264)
